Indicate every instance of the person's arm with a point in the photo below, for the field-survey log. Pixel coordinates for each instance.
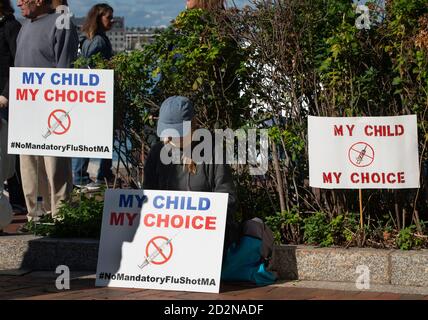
(66, 46)
(11, 33)
(150, 177)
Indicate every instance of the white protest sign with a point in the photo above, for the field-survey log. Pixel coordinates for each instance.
(164, 240)
(363, 153)
(61, 112)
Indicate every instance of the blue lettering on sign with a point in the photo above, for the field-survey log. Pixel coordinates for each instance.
(53, 77)
(156, 203)
(28, 77)
(94, 80)
(76, 79)
(181, 203)
(171, 202)
(189, 204)
(127, 201)
(204, 204)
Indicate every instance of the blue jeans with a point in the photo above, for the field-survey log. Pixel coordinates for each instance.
(81, 175)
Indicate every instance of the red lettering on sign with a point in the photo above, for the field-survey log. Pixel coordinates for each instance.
(179, 221)
(131, 217)
(146, 220)
(75, 96)
(365, 178)
(377, 177)
(338, 130)
(118, 218)
(163, 220)
(22, 94)
(194, 225)
(350, 129)
(384, 130)
(328, 177)
(210, 223)
(390, 178)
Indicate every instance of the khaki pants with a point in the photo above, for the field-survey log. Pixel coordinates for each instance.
(54, 182)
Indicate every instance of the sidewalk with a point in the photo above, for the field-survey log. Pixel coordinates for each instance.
(41, 286)
(19, 219)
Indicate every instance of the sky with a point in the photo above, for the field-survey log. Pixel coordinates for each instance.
(137, 13)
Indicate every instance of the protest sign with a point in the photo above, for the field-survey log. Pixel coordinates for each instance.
(363, 153)
(61, 112)
(164, 240)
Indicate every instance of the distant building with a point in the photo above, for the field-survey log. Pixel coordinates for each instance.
(116, 34)
(137, 38)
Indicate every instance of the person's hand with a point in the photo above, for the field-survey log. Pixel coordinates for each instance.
(3, 102)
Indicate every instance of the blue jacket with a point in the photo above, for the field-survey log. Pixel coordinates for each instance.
(100, 43)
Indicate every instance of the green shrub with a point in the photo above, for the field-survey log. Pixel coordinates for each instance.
(407, 240)
(79, 218)
(286, 226)
(317, 230)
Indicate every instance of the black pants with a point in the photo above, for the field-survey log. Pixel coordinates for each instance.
(14, 187)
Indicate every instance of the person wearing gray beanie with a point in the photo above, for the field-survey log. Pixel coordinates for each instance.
(176, 119)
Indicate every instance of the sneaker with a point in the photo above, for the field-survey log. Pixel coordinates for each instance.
(93, 186)
(81, 183)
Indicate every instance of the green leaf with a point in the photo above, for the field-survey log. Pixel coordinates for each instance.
(397, 81)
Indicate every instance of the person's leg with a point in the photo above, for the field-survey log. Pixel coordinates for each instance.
(59, 173)
(80, 171)
(34, 181)
(14, 184)
(104, 171)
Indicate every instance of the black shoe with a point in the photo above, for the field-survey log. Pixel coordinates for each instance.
(23, 230)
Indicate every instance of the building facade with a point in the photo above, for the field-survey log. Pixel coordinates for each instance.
(137, 38)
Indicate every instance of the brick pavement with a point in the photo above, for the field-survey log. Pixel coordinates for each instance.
(18, 220)
(33, 287)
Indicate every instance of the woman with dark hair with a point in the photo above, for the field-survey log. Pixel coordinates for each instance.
(9, 29)
(98, 21)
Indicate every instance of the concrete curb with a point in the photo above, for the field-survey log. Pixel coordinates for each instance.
(387, 267)
(37, 253)
(401, 268)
